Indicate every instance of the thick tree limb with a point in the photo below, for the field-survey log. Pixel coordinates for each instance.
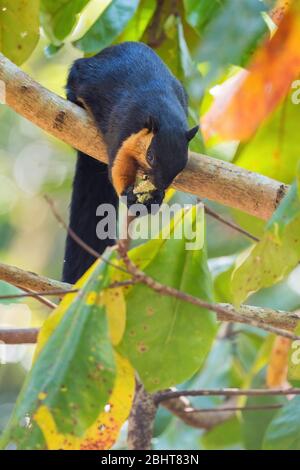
(204, 176)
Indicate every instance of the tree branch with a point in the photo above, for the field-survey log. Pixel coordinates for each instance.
(141, 420)
(55, 293)
(224, 311)
(167, 395)
(28, 280)
(39, 297)
(234, 409)
(279, 321)
(199, 419)
(19, 336)
(263, 315)
(204, 176)
(229, 223)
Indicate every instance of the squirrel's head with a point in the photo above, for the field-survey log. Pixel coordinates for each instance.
(167, 154)
(160, 151)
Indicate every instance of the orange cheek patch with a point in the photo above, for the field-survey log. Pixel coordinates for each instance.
(131, 156)
(123, 172)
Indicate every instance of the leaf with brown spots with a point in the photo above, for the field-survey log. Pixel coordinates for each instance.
(75, 373)
(275, 255)
(166, 339)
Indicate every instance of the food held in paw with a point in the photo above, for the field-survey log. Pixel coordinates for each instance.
(143, 189)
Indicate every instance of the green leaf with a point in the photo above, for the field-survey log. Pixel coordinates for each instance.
(220, 360)
(232, 35)
(162, 421)
(199, 14)
(278, 252)
(8, 289)
(175, 53)
(59, 17)
(255, 423)
(284, 431)
(74, 373)
(165, 339)
(108, 26)
(19, 28)
(222, 283)
(139, 22)
(274, 150)
(51, 50)
(224, 436)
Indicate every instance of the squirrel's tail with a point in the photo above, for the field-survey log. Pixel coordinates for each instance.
(91, 187)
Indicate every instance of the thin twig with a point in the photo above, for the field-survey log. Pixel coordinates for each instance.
(230, 224)
(56, 293)
(233, 315)
(115, 285)
(77, 239)
(40, 284)
(39, 297)
(271, 320)
(68, 229)
(143, 411)
(229, 392)
(178, 406)
(59, 293)
(234, 409)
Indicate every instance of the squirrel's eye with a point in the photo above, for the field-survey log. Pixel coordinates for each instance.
(150, 157)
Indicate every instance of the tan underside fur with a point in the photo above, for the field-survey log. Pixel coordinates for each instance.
(130, 157)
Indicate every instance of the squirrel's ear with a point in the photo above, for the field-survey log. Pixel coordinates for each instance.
(151, 125)
(191, 133)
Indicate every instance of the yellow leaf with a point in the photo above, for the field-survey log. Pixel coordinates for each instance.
(169, 194)
(56, 316)
(278, 366)
(105, 430)
(104, 433)
(116, 313)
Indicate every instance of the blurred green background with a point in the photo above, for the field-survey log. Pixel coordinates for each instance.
(32, 164)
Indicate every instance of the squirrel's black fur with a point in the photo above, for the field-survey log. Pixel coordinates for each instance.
(126, 88)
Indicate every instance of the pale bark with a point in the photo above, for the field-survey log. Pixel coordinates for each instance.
(29, 280)
(204, 176)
